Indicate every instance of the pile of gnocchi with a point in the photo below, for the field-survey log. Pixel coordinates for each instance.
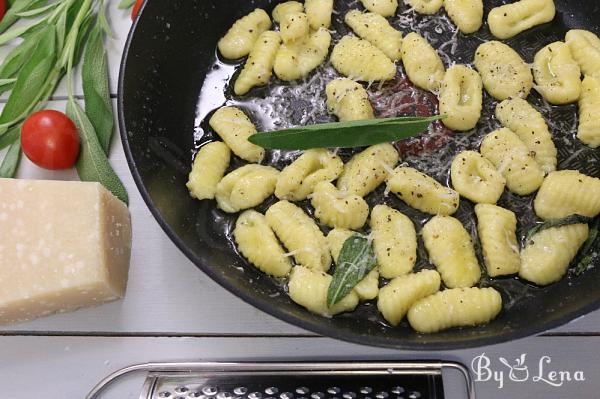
(520, 157)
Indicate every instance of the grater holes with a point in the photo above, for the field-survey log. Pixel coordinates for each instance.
(414, 395)
(366, 390)
(398, 390)
(194, 394)
(240, 390)
(271, 391)
(333, 390)
(224, 395)
(164, 394)
(302, 390)
(349, 395)
(317, 395)
(210, 390)
(382, 395)
(286, 395)
(255, 395)
(181, 389)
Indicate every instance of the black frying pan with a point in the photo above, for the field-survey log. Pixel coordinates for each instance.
(170, 49)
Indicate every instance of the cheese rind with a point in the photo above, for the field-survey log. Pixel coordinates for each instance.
(63, 245)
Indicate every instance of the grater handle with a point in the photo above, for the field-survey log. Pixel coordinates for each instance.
(155, 369)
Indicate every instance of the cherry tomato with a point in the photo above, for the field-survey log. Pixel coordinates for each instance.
(50, 140)
(135, 10)
(2, 9)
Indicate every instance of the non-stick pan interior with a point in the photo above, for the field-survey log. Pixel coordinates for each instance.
(169, 52)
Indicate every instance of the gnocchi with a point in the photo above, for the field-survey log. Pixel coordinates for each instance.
(368, 287)
(425, 6)
(526, 122)
(360, 60)
(585, 49)
(511, 157)
(308, 288)
(451, 250)
(568, 192)
(461, 98)
(385, 8)
(402, 292)
(556, 74)
(348, 100)
(394, 241)
(234, 127)
(294, 27)
(467, 15)
(588, 130)
(422, 63)
(339, 209)
(497, 228)
(246, 187)
(240, 38)
(297, 59)
(511, 19)
(300, 235)
(298, 180)
(259, 67)
(257, 243)
(319, 13)
(547, 255)
(283, 9)
(368, 169)
(459, 307)
(503, 72)
(208, 169)
(423, 192)
(377, 30)
(475, 178)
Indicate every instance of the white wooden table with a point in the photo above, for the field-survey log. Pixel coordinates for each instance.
(172, 311)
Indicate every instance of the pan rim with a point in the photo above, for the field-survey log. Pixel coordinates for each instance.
(264, 305)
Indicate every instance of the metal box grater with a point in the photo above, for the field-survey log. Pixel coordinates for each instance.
(350, 380)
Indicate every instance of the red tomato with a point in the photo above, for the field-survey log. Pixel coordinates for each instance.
(135, 10)
(50, 140)
(2, 9)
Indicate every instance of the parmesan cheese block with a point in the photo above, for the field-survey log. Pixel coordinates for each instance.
(63, 245)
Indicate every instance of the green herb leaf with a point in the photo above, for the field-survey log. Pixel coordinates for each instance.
(17, 7)
(92, 164)
(355, 261)
(16, 32)
(19, 55)
(343, 134)
(8, 138)
(96, 91)
(7, 84)
(11, 160)
(126, 4)
(31, 79)
(586, 253)
(36, 11)
(573, 219)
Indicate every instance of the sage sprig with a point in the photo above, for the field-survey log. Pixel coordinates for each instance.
(53, 43)
(355, 261)
(586, 253)
(344, 134)
(573, 219)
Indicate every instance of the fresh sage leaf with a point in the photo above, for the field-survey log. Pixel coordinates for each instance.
(10, 136)
(17, 7)
(17, 32)
(36, 11)
(355, 261)
(7, 84)
(11, 160)
(92, 164)
(31, 79)
(18, 56)
(586, 253)
(343, 134)
(102, 21)
(96, 90)
(126, 4)
(573, 219)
